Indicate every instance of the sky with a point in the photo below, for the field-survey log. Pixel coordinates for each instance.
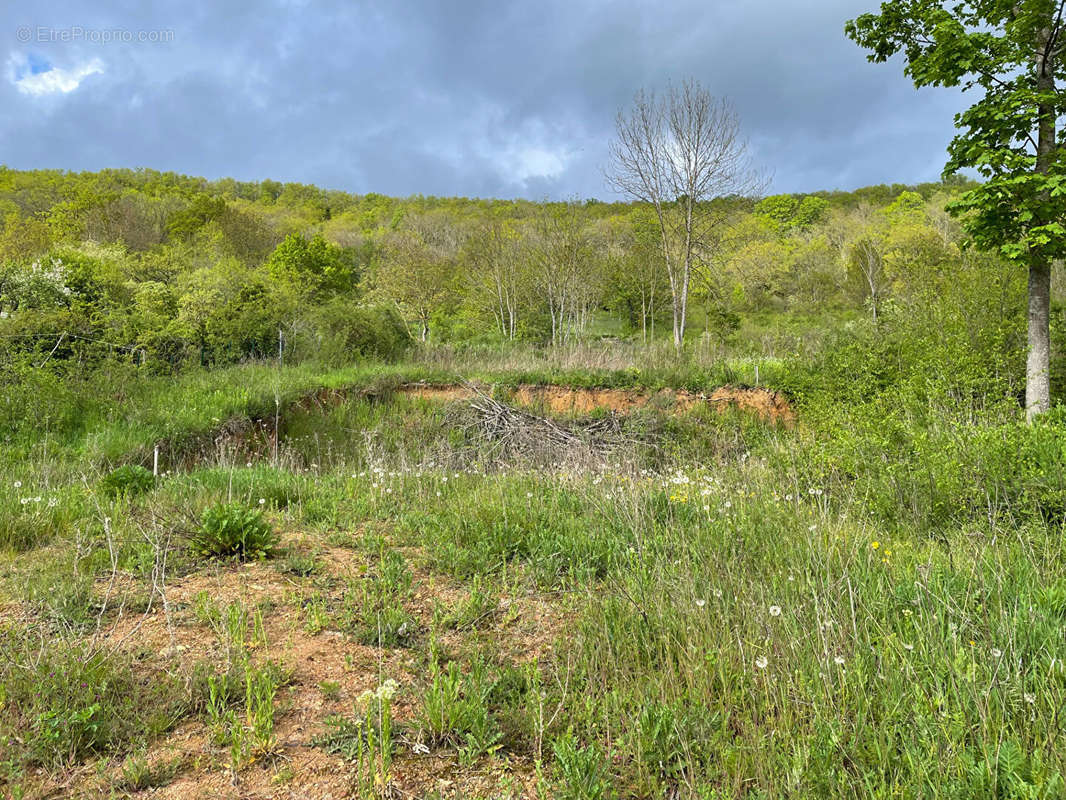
(474, 98)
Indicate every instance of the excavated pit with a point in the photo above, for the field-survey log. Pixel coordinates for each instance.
(765, 404)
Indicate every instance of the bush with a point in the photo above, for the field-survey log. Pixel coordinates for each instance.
(345, 333)
(234, 531)
(128, 480)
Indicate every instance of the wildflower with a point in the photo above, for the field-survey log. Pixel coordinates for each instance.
(718, 593)
(761, 662)
(1029, 698)
(24, 500)
(18, 484)
(839, 661)
(908, 647)
(812, 528)
(529, 494)
(728, 504)
(875, 545)
(262, 501)
(52, 502)
(701, 603)
(438, 494)
(775, 611)
(249, 464)
(996, 652)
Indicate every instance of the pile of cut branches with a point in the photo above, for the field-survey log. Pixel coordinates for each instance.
(498, 431)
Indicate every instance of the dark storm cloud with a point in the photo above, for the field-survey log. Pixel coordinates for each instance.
(450, 98)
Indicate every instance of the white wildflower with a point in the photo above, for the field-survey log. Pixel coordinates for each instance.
(761, 662)
(775, 611)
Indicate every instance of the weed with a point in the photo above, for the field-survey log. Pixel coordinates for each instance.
(366, 738)
(234, 531)
(127, 481)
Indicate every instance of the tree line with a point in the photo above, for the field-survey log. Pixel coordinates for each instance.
(177, 270)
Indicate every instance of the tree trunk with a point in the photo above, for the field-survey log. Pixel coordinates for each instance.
(1038, 363)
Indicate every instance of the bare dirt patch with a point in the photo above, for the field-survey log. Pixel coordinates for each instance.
(523, 626)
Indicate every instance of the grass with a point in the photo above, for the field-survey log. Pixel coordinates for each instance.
(870, 605)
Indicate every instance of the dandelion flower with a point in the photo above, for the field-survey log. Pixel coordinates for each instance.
(18, 484)
(701, 603)
(775, 611)
(996, 652)
(875, 545)
(839, 661)
(262, 501)
(761, 662)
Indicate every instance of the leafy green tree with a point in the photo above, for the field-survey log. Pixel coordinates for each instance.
(319, 268)
(1012, 50)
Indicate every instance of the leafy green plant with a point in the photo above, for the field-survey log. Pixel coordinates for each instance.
(455, 710)
(581, 771)
(372, 608)
(235, 531)
(128, 480)
(62, 703)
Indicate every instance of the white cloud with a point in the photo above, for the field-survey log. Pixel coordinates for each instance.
(54, 80)
(537, 162)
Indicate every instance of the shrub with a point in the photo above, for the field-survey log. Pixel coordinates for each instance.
(127, 480)
(345, 333)
(231, 530)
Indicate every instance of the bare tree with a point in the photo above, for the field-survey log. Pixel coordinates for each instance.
(677, 153)
(496, 275)
(564, 272)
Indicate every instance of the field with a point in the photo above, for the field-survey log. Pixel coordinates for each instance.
(524, 576)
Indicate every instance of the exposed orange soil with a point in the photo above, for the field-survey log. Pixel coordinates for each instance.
(766, 404)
